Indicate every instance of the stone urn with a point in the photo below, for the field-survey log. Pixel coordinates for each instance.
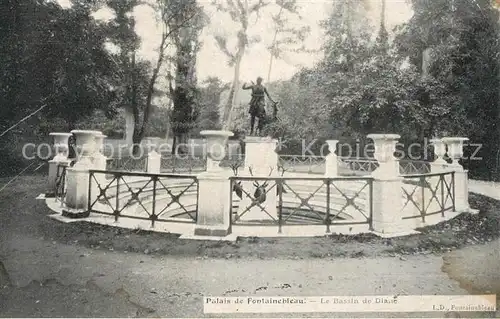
(86, 147)
(385, 146)
(100, 159)
(439, 150)
(99, 141)
(61, 146)
(455, 148)
(216, 142)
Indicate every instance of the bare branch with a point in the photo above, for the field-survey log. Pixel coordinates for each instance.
(256, 7)
(222, 44)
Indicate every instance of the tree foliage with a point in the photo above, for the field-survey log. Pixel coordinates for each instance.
(55, 57)
(240, 11)
(286, 36)
(186, 26)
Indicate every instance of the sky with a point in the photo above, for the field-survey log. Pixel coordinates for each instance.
(211, 62)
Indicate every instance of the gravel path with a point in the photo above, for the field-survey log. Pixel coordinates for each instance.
(169, 287)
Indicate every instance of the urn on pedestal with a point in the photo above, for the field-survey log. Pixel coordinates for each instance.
(385, 146)
(455, 148)
(61, 149)
(215, 148)
(61, 146)
(86, 147)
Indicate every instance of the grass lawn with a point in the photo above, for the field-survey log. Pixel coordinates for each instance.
(21, 213)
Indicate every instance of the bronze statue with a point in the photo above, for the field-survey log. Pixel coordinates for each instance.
(258, 104)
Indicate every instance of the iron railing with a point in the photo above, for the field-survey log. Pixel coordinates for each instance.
(364, 166)
(333, 201)
(428, 194)
(60, 186)
(302, 163)
(182, 164)
(129, 164)
(411, 167)
(155, 197)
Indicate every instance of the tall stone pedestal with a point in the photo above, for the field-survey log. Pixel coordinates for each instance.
(461, 190)
(154, 158)
(388, 200)
(455, 152)
(387, 206)
(61, 158)
(261, 160)
(214, 189)
(99, 159)
(77, 193)
(331, 160)
(214, 204)
(78, 175)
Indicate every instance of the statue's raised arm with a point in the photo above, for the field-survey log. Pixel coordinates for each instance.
(247, 87)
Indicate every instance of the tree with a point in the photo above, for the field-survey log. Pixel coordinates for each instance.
(122, 34)
(185, 94)
(210, 97)
(240, 12)
(286, 37)
(54, 57)
(56, 71)
(462, 37)
(139, 77)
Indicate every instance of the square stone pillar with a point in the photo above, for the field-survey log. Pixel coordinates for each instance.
(78, 176)
(77, 193)
(331, 160)
(388, 204)
(214, 189)
(214, 204)
(455, 152)
(154, 163)
(99, 159)
(261, 160)
(388, 200)
(61, 158)
(154, 158)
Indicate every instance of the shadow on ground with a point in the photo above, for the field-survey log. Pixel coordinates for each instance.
(53, 299)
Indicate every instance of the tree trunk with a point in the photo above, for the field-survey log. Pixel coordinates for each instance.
(136, 137)
(151, 86)
(179, 145)
(271, 58)
(129, 127)
(234, 90)
(273, 46)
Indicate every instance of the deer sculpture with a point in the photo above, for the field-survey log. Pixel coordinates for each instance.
(237, 188)
(259, 194)
(279, 186)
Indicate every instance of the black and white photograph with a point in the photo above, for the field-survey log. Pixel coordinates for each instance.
(249, 158)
